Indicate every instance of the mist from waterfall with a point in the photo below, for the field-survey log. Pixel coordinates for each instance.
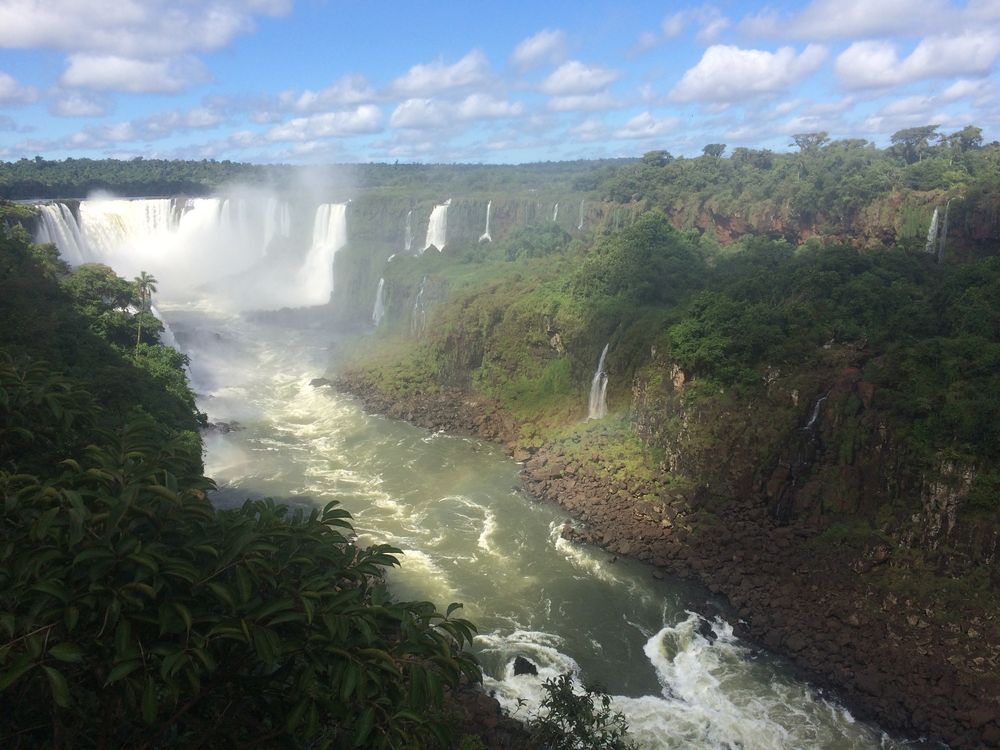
(437, 227)
(598, 404)
(485, 236)
(378, 312)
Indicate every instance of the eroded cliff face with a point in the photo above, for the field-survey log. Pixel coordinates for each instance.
(815, 447)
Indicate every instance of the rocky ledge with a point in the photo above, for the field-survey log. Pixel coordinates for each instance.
(892, 659)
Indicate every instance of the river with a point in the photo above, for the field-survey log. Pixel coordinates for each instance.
(469, 533)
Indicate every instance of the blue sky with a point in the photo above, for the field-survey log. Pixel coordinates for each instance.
(321, 81)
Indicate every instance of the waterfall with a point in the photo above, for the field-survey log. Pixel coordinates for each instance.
(419, 318)
(580, 225)
(485, 237)
(379, 310)
(932, 234)
(598, 407)
(277, 221)
(815, 412)
(555, 213)
(329, 235)
(408, 232)
(437, 227)
(167, 338)
(944, 232)
(60, 228)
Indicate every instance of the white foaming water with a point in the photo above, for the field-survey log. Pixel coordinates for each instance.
(408, 233)
(437, 227)
(555, 213)
(329, 235)
(597, 406)
(60, 228)
(580, 225)
(932, 234)
(167, 337)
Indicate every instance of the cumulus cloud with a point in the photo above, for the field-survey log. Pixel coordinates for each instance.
(419, 114)
(644, 125)
(11, 92)
(876, 64)
(131, 28)
(574, 78)
(135, 76)
(486, 107)
(422, 114)
(346, 91)
(673, 24)
(837, 19)
(547, 46)
(362, 120)
(726, 73)
(584, 102)
(78, 104)
(471, 71)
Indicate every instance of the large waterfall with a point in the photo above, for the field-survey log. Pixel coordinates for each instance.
(222, 243)
(437, 227)
(329, 235)
(485, 236)
(378, 312)
(598, 404)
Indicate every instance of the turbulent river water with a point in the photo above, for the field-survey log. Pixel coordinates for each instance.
(470, 534)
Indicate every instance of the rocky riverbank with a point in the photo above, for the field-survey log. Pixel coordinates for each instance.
(900, 660)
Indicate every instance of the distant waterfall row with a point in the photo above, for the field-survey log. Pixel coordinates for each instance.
(241, 248)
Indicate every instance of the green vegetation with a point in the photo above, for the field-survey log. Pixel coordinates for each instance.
(571, 721)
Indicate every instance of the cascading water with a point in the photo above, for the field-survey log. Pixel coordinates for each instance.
(418, 318)
(932, 234)
(598, 405)
(329, 235)
(277, 221)
(379, 310)
(408, 232)
(555, 213)
(469, 534)
(814, 417)
(167, 338)
(437, 227)
(580, 225)
(944, 232)
(485, 236)
(59, 227)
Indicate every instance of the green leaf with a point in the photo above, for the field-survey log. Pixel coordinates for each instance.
(68, 652)
(21, 665)
(364, 727)
(149, 701)
(60, 690)
(123, 669)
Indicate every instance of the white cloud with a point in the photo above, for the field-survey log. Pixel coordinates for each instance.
(644, 125)
(113, 73)
(673, 25)
(646, 41)
(573, 77)
(486, 107)
(78, 104)
(876, 64)
(547, 46)
(726, 73)
(362, 120)
(836, 19)
(130, 28)
(590, 130)
(980, 91)
(419, 114)
(346, 91)
(11, 92)
(583, 102)
(435, 78)
(712, 29)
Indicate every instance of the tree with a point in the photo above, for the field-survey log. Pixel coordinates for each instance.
(913, 143)
(714, 150)
(810, 141)
(145, 285)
